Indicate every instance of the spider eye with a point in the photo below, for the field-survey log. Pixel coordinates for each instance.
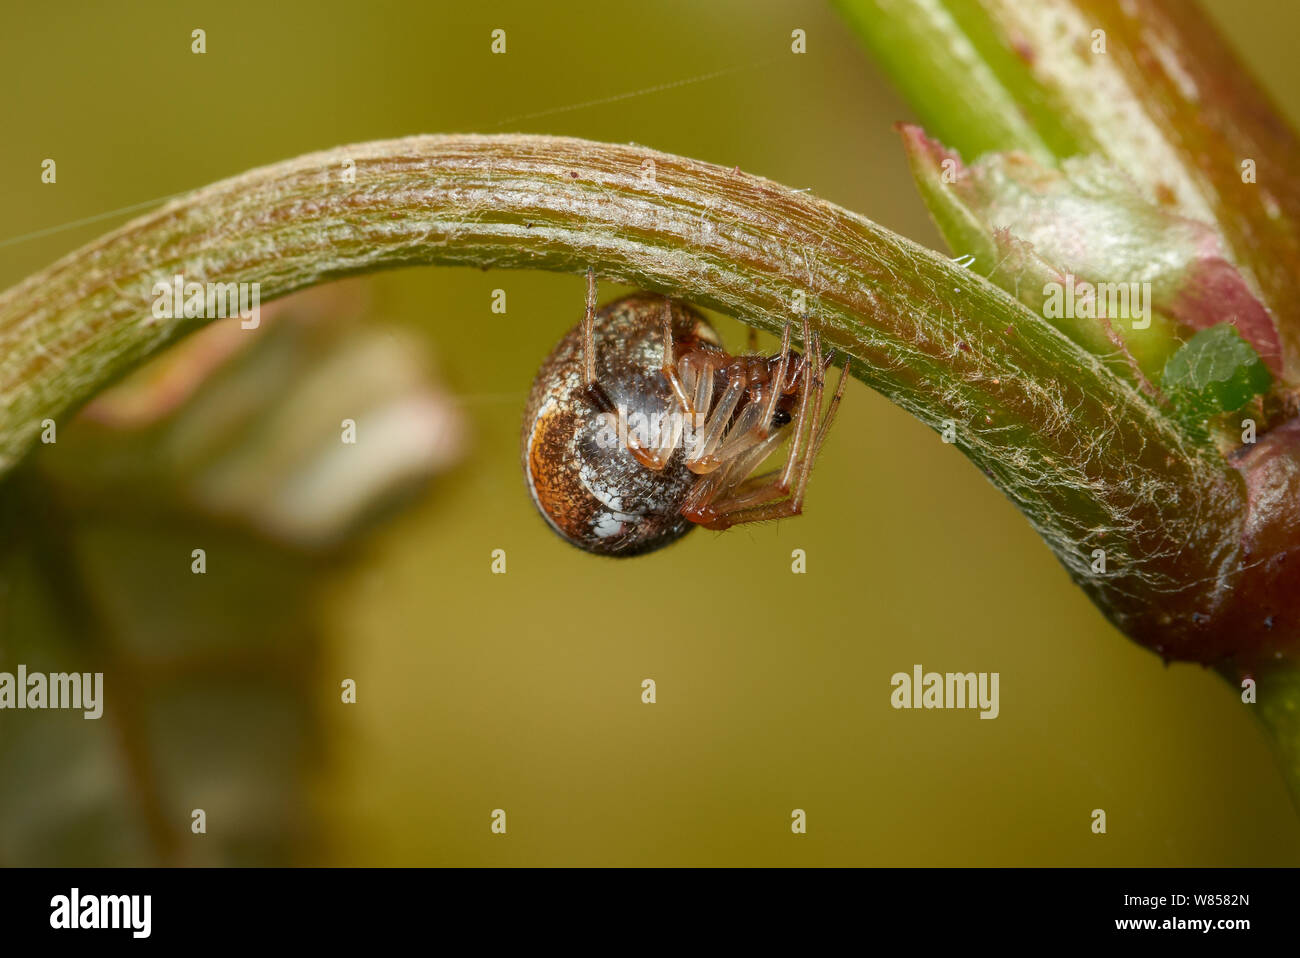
(780, 418)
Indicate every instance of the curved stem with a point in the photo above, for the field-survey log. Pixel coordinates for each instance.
(1089, 460)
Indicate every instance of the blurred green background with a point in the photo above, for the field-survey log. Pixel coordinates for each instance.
(522, 691)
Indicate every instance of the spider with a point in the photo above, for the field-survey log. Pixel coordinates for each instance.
(640, 426)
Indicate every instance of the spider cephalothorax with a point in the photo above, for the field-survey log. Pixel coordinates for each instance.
(640, 426)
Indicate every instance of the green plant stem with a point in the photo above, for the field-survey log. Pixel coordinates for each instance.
(936, 55)
(1089, 460)
(1148, 84)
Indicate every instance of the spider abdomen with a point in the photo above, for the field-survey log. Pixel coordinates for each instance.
(583, 480)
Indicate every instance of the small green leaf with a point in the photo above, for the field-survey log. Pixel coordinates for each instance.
(1215, 371)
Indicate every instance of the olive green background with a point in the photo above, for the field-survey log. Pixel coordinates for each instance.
(522, 691)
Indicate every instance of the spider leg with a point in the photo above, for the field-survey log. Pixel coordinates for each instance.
(754, 424)
(796, 371)
(798, 465)
(710, 492)
(814, 406)
(813, 343)
(696, 504)
(669, 364)
(720, 440)
(825, 427)
(765, 497)
(701, 374)
(595, 392)
(589, 334)
(752, 492)
(700, 459)
(777, 383)
(784, 509)
(707, 512)
(747, 431)
(664, 434)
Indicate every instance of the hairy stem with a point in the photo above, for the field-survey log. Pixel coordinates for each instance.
(1090, 461)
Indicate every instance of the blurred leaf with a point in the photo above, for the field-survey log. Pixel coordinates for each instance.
(215, 684)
